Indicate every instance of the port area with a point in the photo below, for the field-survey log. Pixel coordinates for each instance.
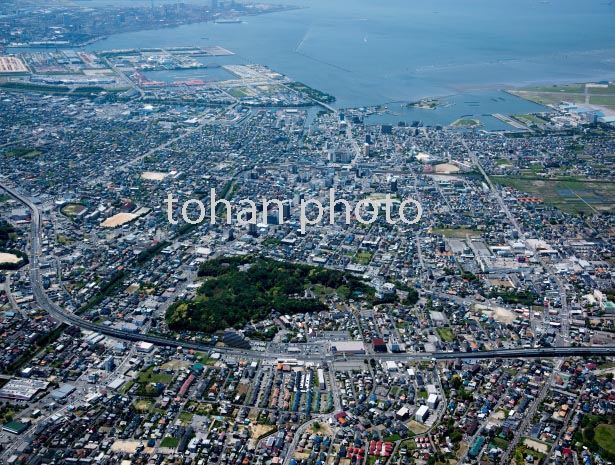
(183, 75)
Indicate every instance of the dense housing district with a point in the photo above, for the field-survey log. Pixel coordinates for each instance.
(481, 334)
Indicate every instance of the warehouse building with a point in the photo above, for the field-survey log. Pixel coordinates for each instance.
(15, 427)
(62, 392)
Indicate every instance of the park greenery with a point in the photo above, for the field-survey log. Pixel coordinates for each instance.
(23, 152)
(238, 290)
(512, 296)
(151, 252)
(7, 233)
(311, 93)
(598, 434)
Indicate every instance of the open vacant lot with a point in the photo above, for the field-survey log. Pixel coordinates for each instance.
(118, 220)
(9, 258)
(446, 168)
(153, 175)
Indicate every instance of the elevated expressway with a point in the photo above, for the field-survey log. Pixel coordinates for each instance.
(63, 316)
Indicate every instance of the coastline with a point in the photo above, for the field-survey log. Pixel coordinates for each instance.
(219, 20)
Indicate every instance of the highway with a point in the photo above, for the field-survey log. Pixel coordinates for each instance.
(61, 315)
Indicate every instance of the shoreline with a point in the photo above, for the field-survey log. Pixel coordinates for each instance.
(58, 45)
(487, 88)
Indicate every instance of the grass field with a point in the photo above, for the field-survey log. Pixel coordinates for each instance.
(573, 195)
(455, 233)
(362, 258)
(575, 93)
(63, 239)
(408, 444)
(606, 365)
(528, 119)
(72, 209)
(185, 417)
(170, 442)
(501, 443)
(238, 92)
(602, 90)
(563, 88)
(148, 376)
(548, 98)
(605, 437)
(23, 152)
(604, 101)
(143, 405)
(446, 334)
(199, 408)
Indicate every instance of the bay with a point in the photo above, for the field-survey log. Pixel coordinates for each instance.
(368, 52)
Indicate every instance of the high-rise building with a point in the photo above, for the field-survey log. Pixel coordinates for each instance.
(252, 231)
(340, 156)
(109, 364)
(285, 211)
(298, 197)
(272, 217)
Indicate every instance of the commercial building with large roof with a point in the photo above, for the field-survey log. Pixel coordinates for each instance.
(347, 347)
(22, 389)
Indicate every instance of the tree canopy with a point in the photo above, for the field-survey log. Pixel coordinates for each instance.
(238, 290)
